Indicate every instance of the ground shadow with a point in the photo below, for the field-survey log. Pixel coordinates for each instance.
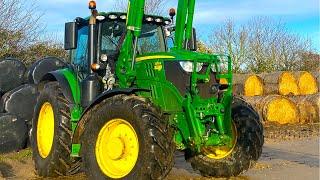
(6, 170)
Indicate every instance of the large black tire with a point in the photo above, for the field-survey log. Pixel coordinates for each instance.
(156, 146)
(58, 162)
(247, 150)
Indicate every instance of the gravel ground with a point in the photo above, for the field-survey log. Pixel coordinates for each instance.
(290, 159)
(290, 152)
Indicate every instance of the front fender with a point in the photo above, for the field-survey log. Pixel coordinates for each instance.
(68, 82)
(81, 124)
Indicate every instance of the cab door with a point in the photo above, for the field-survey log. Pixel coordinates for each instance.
(79, 57)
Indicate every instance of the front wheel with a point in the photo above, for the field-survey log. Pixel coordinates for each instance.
(125, 137)
(51, 133)
(247, 147)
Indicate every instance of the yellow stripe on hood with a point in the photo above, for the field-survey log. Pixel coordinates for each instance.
(154, 57)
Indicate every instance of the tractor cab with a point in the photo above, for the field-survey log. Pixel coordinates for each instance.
(111, 31)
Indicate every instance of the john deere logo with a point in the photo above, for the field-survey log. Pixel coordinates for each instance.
(157, 66)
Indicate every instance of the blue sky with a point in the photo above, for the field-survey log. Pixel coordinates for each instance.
(300, 16)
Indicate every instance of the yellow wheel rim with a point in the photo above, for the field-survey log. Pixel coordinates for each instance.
(222, 151)
(117, 148)
(45, 130)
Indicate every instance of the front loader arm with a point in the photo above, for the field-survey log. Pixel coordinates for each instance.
(184, 23)
(124, 70)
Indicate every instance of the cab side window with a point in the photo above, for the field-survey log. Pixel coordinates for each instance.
(81, 53)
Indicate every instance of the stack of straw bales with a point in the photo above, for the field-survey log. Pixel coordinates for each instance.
(282, 97)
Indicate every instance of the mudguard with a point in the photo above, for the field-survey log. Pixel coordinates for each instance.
(64, 83)
(81, 124)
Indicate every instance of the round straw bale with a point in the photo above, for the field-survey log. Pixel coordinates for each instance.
(283, 83)
(275, 108)
(309, 110)
(253, 86)
(307, 83)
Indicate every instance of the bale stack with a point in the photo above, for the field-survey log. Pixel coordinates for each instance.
(275, 108)
(282, 97)
(13, 130)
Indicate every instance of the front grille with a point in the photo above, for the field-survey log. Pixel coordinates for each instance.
(181, 79)
(205, 88)
(177, 76)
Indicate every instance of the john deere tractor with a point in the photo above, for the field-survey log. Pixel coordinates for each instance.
(130, 98)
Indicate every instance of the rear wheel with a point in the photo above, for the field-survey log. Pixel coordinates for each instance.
(246, 149)
(51, 133)
(126, 138)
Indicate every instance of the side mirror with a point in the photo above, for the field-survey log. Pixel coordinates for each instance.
(71, 36)
(192, 44)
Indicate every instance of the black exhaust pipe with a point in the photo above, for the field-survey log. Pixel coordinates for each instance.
(91, 86)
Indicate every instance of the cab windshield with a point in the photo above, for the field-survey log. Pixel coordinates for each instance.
(113, 34)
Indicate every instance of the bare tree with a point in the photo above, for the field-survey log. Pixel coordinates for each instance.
(273, 47)
(261, 45)
(20, 26)
(227, 39)
(156, 7)
(20, 29)
(310, 61)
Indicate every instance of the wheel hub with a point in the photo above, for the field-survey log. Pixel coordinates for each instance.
(45, 130)
(117, 148)
(221, 152)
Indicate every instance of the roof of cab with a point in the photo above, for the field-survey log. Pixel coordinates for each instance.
(118, 14)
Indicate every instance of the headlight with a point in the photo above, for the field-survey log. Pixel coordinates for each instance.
(123, 17)
(113, 16)
(100, 18)
(188, 66)
(158, 20)
(149, 19)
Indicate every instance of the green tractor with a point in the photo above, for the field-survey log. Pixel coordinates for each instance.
(128, 101)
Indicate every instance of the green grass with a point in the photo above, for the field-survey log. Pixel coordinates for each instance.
(18, 156)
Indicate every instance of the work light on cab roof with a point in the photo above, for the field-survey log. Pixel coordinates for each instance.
(92, 5)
